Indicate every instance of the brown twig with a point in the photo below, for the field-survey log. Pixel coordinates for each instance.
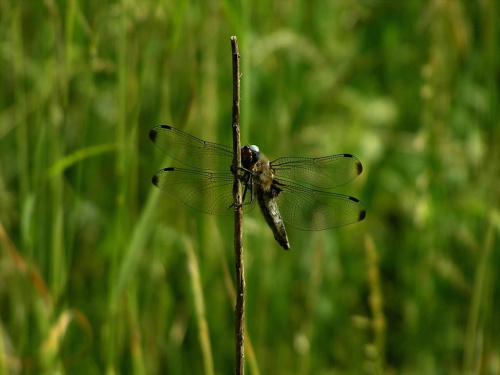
(239, 311)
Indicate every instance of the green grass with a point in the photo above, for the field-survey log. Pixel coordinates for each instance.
(100, 273)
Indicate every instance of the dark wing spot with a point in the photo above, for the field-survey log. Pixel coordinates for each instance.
(354, 199)
(153, 134)
(362, 215)
(359, 167)
(154, 180)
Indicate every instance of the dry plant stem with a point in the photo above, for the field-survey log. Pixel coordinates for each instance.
(239, 312)
(24, 267)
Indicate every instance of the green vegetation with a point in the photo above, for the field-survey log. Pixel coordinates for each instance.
(101, 273)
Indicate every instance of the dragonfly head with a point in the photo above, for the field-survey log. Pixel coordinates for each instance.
(249, 156)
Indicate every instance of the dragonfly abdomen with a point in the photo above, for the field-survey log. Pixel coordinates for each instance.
(272, 215)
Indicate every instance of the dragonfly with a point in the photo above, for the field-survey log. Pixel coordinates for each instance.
(288, 190)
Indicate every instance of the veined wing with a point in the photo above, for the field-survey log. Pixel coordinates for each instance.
(309, 209)
(326, 172)
(208, 192)
(190, 150)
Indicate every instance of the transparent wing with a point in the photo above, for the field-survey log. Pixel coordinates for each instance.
(208, 192)
(325, 172)
(190, 150)
(310, 209)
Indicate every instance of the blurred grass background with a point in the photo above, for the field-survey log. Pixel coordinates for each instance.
(100, 273)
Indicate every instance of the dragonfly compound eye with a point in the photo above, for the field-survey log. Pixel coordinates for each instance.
(255, 153)
(249, 156)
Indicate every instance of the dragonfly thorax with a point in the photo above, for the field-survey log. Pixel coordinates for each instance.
(250, 155)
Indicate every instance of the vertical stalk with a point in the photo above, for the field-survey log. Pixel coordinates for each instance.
(239, 312)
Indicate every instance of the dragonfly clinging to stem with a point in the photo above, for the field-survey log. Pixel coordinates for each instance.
(285, 189)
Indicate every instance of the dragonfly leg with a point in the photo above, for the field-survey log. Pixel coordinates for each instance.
(247, 180)
(247, 183)
(241, 169)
